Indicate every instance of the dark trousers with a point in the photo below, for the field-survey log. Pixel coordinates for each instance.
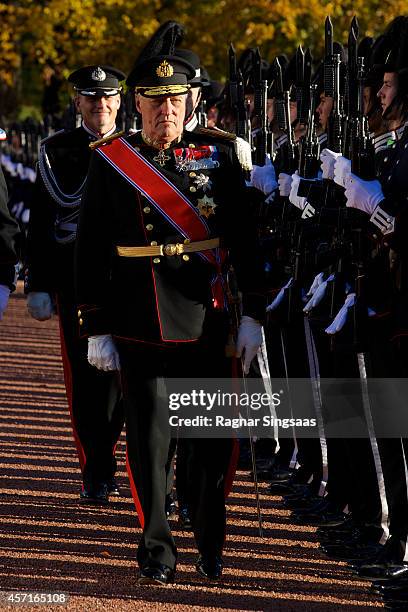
(148, 439)
(94, 398)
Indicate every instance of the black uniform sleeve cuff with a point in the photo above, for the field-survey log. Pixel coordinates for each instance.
(254, 305)
(92, 321)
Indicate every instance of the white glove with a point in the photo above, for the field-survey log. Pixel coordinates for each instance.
(39, 305)
(328, 159)
(102, 353)
(318, 279)
(249, 340)
(275, 303)
(341, 317)
(363, 195)
(318, 295)
(4, 296)
(293, 196)
(284, 182)
(264, 177)
(342, 169)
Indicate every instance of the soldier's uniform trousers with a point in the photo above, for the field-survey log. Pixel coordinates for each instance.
(144, 371)
(94, 399)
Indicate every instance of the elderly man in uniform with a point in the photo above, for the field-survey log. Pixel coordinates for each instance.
(94, 397)
(159, 210)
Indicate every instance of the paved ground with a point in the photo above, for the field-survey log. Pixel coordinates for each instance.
(48, 543)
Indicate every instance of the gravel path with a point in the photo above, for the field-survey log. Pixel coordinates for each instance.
(50, 544)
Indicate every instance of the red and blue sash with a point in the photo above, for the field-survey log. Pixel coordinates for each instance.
(168, 200)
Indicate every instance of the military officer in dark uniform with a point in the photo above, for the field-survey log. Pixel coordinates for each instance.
(8, 257)
(94, 397)
(156, 208)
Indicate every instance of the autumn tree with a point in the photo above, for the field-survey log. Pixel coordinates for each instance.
(65, 34)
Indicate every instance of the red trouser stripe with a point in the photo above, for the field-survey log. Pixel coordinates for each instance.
(68, 387)
(135, 496)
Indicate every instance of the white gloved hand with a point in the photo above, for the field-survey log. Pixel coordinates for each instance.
(39, 305)
(102, 353)
(284, 182)
(318, 279)
(278, 299)
(363, 195)
(264, 177)
(318, 295)
(293, 196)
(4, 296)
(342, 169)
(328, 159)
(341, 317)
(249, 340)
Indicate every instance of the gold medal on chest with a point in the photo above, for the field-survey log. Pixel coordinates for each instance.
(206, 207)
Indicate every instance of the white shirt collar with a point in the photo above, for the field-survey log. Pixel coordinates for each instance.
(94, 134)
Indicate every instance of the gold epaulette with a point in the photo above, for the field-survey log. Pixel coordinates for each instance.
(101, 141)
(215, 133)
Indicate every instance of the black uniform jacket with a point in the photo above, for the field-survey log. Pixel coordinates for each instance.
(393, 175)
(49, 264)
(8, 235)
(160, 300)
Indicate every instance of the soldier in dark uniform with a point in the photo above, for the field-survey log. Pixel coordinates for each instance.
(8, 258)
(153, 305)
(94, 397)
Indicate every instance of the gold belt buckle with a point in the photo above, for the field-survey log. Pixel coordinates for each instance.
(173, 249)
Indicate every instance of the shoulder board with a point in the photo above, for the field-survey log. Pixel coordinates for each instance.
(51, 136)
(101, 141)
(215, 133)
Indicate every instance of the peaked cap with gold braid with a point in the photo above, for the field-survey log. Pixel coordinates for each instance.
(158, 71)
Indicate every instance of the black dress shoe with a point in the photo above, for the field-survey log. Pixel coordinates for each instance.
(319, 519)
(171, 507)
(94, 494)
(156, 574)
(351, 552)
(113, 488)
(209, 567)
(383, 571)
(184, 519)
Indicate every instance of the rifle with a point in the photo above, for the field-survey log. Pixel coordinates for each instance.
(202, 113)
(332, 62)
(260, 138)
(289, 158)
(237, 96)
(361, 147)
(309, 150)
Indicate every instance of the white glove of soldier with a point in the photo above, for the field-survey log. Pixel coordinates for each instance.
(264, 177)
(39, 305)
(341, 317)
(293, 196)
(328, 159)
(278, 299)
(318, 295)
(249, 340)
(284, 182)
(102, 353)
(4, 296)
(342, 169)
(363, 195)
(318, 279)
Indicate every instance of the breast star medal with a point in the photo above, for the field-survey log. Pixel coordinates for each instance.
(203, 182)
(206, 207)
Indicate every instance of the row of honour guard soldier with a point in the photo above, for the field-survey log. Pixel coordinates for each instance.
(328, 183)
